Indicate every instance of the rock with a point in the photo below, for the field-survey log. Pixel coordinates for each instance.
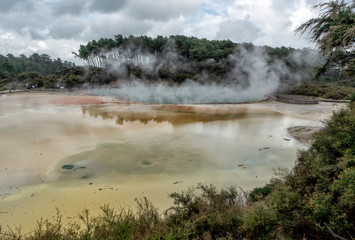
(265, 148)
(68, 166)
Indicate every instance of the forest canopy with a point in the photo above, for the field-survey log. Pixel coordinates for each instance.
(36, 69)
(40, 63)
(134, 48)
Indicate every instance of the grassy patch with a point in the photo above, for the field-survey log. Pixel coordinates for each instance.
(325, 90)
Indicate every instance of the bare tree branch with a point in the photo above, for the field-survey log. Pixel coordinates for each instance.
(333, 234)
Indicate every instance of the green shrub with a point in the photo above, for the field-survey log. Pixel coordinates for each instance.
(260, 193)
(259, 222)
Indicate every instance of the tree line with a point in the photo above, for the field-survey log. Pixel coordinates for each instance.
(173, 59)
(36, 69)
(40, 63)
(132, 48)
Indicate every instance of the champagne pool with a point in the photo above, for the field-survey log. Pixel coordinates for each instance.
(73, 152)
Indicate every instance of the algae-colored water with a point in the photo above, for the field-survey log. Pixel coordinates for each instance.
(119, 152)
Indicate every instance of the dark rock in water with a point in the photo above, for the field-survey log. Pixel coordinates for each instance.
(79, 168)
(68, 166)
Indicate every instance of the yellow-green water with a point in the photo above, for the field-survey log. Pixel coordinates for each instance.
(120, 152)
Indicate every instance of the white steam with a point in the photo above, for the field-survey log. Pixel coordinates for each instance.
(253, 76)
(308, 57)
(188, 92)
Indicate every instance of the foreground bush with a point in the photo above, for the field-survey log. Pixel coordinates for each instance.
(317, 199)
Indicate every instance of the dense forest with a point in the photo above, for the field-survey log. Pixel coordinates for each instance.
(137, 50)
(42, 64)
(35, 70)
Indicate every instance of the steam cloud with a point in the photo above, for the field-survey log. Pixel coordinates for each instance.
(254, 76)
(188, 92)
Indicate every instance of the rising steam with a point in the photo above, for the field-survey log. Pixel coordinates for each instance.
(188, 92)
(253, 76)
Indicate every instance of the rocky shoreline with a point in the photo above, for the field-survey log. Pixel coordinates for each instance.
(304, 134)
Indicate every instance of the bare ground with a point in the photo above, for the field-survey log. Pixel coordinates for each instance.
(304, 134)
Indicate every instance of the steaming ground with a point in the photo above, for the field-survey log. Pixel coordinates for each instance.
(189, 92)
(253, 76)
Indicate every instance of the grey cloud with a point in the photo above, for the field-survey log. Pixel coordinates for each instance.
(161, 10)
(238, 31)
(108, 26)
(70, 7)
(67, 27)
(36, 35)
(6, 5)
(21, 21)
(107, 6)
(29, 15)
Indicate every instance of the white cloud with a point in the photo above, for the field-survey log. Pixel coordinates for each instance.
(301, 14)
(204, 27)
(42, 45)
(108, 25)
(238, 31)
(171, 27)
(6, 36)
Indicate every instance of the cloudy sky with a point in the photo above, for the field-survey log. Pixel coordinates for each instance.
(58, 27)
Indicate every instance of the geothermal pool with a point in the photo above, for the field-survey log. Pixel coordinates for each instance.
(73, 152)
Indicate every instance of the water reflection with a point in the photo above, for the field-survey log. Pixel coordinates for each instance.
(130, 151)
(201, 139)
(174, 114)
